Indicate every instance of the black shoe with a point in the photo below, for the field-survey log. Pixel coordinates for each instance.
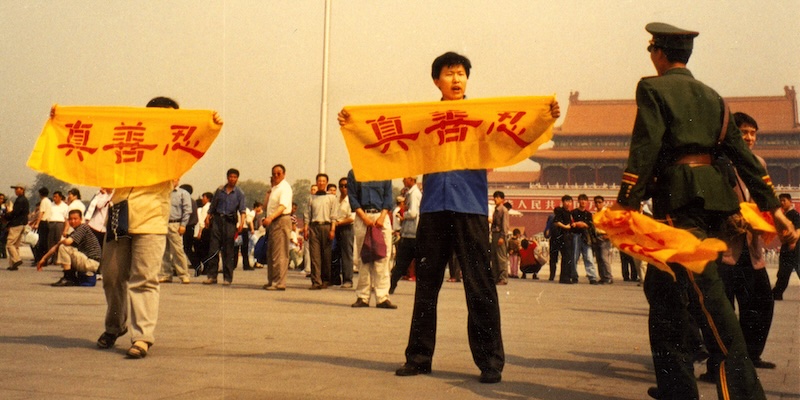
(593, 282)
(490, 376)
(248, 269)
(107, 340)
(763, 364)
(315, 287)
(386, 304)
(359, 303)
(775, 295)
(654, 392)
(64, 282)
(14, 266)
(411, 370)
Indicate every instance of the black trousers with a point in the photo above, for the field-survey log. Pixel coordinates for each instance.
(245, 249)
(788, 262)
(750, 288)
(342, 255)
(629, 271)
(567, 260)
(440, 234)
(555, 248)
(405, 254)
(221, 246)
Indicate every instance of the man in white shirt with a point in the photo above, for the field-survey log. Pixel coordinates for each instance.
(279, 225)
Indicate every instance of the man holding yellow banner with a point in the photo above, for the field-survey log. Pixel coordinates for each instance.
(452, 142)
(137, 152)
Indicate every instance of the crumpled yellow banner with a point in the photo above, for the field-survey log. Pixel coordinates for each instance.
(758, 221)
(399, 140)
(653, 242)
(122, 146)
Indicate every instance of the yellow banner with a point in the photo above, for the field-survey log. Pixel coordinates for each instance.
(758, 221)
(122, 146)
(653, 242)
(399, 140)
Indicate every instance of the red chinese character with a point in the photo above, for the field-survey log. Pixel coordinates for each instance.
(452, 126)
(182, 140)
(389, 130)
(128, 143)
(510, 129)
(77, 139)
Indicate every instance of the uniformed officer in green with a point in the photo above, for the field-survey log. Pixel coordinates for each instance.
(681, 125)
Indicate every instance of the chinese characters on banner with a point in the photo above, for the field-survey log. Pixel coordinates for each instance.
(398, 140)
(122, 146)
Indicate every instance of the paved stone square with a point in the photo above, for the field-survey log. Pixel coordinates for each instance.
(242, 342)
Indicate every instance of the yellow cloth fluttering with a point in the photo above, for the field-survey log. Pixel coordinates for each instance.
(399, 140)
(757, 221)
(656, 243)
(122, 146)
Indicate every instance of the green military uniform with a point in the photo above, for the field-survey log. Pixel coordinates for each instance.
(678, 123)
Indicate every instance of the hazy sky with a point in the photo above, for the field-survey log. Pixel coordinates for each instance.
(259, 63)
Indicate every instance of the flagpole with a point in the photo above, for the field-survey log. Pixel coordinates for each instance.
(323, 115)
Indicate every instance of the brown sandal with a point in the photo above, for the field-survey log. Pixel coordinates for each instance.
(137, 351)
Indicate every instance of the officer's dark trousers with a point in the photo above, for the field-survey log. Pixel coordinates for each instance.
(671, 301)
(440, 234)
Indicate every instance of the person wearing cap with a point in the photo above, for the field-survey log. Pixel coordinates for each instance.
(680, 122)
(17, 219)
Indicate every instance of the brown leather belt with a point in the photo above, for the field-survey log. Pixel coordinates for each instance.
(694, 160)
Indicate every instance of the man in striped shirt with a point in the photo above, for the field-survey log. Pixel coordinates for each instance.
(78, 253)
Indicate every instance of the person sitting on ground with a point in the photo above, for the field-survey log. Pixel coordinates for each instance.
(78, 254)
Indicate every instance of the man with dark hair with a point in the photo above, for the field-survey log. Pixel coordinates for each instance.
(743, 270)
(499, 231)
(319, 230)
(78, 254)
(454, 221)
(279, 228)
(601, 247)
(41, 225)
(226, 218)
(188, 234)
(175, 260)
(17, 219)
(680, 123)
(342, 258)
(583, 238)
(789, 258)
(202, 232)
(563, 222)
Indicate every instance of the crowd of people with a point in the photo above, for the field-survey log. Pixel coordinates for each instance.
(140, 237)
